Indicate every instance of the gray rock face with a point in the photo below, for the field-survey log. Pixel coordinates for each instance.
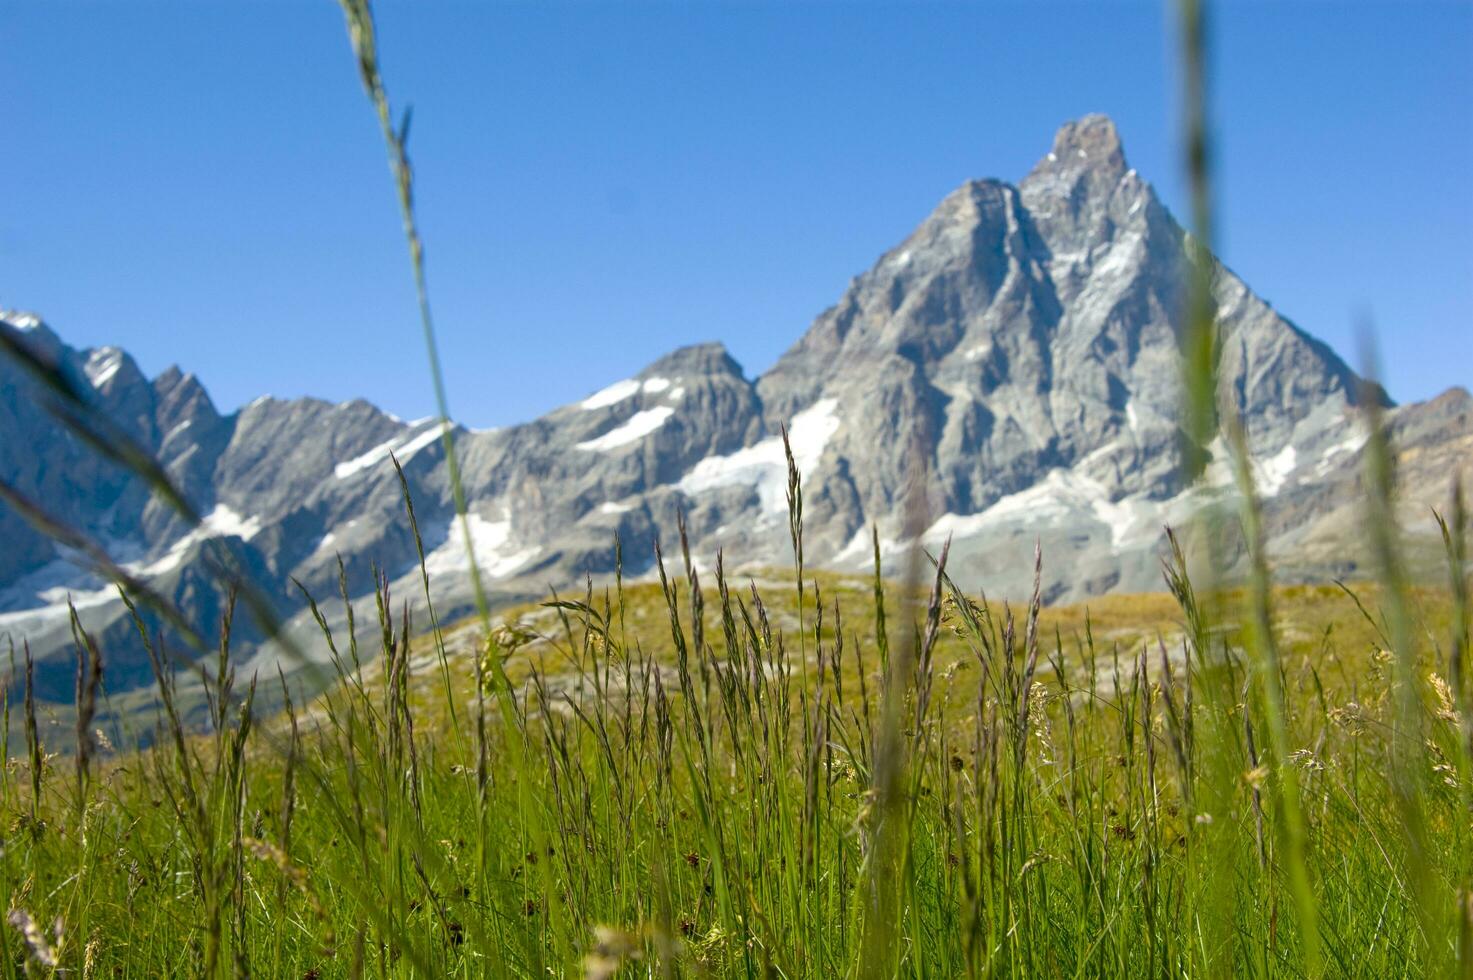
(1024, 338)
(1007, 373)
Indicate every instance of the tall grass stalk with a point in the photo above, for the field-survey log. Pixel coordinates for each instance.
(1408, 736)
(364, 38)
(1215, 843)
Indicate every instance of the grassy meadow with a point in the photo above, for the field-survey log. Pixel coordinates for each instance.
(698, 776)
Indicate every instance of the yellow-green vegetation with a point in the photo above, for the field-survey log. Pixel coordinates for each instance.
(699, 776)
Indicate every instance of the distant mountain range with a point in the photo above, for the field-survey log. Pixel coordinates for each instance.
(1008, 370)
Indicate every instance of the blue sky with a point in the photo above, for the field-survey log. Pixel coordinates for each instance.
(203, 182)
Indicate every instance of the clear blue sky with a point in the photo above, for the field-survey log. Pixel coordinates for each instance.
(203, 182)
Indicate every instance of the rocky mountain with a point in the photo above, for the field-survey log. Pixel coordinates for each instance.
(1007, 373)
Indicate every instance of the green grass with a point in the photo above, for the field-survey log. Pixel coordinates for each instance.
(681, 792)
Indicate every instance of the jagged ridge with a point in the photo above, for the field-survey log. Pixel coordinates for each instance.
(1008, 370)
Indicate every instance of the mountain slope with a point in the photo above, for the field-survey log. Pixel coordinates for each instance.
(1007, 373)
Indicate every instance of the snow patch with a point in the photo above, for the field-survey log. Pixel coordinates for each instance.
(612, 395)
(330, 538)
(224, 521)
(640, 424)
(358, 463)
(860, 550)
(492, 542)
(1274, 473)
(653, 386)
(21, 321)
(427, 438)
(610, 507)
(763, 465)
(221, 522)
(1350, 444)
(63, 580)
(51, 583)
(39, 618)
(102, 365)
(404, 447)
(810, 432)
(858, 545)
(1054, 500)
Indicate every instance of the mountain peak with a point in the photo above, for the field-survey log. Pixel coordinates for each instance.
(1089, 145)
(21, 319)
(1091, 139)
(711, 357)
(33, 332)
